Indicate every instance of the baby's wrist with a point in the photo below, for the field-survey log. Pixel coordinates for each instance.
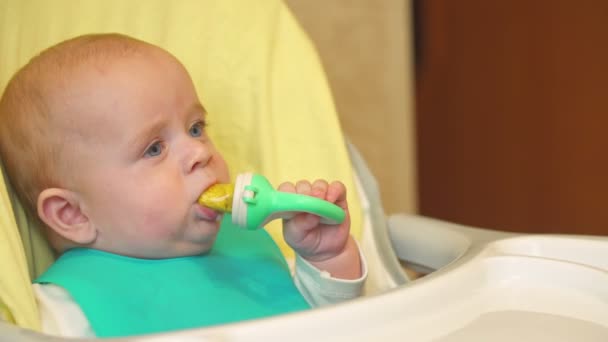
(345, 264)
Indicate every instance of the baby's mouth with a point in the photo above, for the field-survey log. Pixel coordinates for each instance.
(212, 203)
(207, 214)
(218, 197)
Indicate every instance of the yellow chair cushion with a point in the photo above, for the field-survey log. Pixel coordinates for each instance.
(270, 109)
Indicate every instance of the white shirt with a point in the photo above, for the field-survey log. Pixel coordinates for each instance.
(61, 315)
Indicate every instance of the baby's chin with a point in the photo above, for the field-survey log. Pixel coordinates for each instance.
(198, 249)
(178, 252)
(198, 245)
(201, 240)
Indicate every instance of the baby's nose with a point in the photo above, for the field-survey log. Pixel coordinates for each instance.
(197, 157)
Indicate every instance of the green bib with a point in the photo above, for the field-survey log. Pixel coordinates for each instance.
(243, 277)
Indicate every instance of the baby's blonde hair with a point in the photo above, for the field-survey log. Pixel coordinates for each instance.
(32, 152)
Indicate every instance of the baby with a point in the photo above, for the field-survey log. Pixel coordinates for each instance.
(104, 139)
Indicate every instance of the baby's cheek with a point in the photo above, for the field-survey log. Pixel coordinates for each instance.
(157, 221)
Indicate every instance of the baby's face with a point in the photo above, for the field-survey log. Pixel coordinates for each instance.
(142, 157)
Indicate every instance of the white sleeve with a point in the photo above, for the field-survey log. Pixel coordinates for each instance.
(59, 313)
(319, 288)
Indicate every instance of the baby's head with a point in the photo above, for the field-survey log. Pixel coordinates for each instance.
(103, 137)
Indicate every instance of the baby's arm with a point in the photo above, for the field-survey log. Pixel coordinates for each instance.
(329, 248)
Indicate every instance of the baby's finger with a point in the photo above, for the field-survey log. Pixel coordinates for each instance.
(306, 221)
(303, 187)
(336, 193)
(319, 189)
(287, 187)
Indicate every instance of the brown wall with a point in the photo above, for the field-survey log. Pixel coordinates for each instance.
(513, 114)
(365, 47)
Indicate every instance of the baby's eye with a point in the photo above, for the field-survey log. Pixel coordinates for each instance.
(196, 130)
(154, 150)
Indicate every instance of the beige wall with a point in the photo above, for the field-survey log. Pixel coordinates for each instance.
(365, 47)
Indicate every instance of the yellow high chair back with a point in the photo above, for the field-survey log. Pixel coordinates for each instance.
(255, 70)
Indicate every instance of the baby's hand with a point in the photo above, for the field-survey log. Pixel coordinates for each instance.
(328, 247)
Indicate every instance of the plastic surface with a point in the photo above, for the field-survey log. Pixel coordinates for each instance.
(256, 203)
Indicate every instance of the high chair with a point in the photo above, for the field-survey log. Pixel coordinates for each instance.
(261, 81)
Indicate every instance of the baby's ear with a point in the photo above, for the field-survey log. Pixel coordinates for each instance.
(61, 210)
